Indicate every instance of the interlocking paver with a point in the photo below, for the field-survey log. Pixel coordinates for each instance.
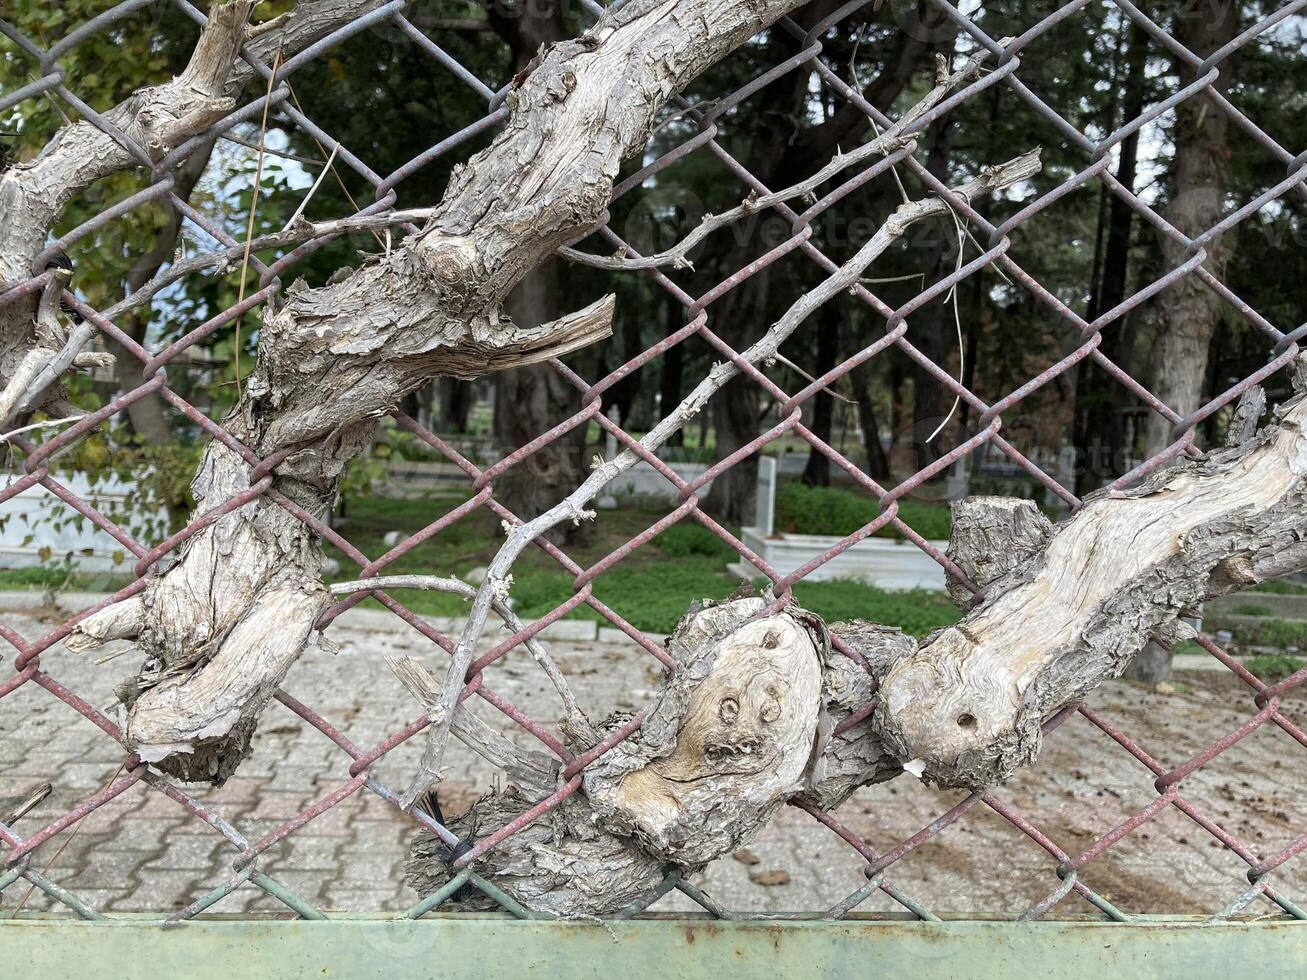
(143, 852)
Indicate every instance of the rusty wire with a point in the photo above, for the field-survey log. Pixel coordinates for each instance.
(1065, 868)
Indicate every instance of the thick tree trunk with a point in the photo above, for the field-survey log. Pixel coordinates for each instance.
(1189, 309)
(878, 466)
(530, 401)
(932, 327)
(454, 398)
(672, 382)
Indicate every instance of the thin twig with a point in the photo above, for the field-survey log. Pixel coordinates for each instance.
(254, 210)
(296, 157)
(573, 506)
(884, 143)
(312, 190)
(302, 231)
(576, 718)
(66, 841)
(44, 424)
(330, 166)
(957, 322)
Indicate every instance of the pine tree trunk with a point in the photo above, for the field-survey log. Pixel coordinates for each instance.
(1190, 310)
(817, 471)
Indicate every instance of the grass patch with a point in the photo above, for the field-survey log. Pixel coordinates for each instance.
(1274, 667)
(1281, 633)
(61, 579)
(1253, 610)
(917, 612)
(1283, 588)
(688, 538)
(801, 509)
(651, 588)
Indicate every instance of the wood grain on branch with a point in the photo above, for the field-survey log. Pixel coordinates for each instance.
(1122, 571)
(760, 711)
(573, 506)
(745, 723)
(333, 360)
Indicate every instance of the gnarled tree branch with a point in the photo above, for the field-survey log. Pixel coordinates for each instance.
(1120, 572)
(226, 621)
(573, 506)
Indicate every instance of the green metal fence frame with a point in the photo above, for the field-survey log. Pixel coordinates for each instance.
(495, 946)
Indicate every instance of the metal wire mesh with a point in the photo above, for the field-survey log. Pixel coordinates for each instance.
(1065, 867)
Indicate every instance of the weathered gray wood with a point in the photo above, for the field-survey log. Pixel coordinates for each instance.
(332, 360)
(729, 738)
(1068, 609)
(744, 725)
(989, 537)
(159, 118)
(1246, 416)
(533, 773)
(574, 505)
(969, 703)
(562, 864)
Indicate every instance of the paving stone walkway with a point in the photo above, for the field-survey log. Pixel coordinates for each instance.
(142, 852)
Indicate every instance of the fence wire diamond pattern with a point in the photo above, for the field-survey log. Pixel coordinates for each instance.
(32, 667)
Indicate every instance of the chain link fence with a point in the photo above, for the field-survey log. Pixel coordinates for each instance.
(1068, 871)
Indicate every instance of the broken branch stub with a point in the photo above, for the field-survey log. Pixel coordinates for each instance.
(969, 703)
(728, 740)
(989, 180)
(744, 724)
(1067, 608)
(989, 537)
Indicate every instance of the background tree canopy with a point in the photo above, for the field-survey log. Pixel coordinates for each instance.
(384, 98)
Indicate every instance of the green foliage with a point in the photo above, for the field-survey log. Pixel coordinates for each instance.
(1274, 666)
(1283, 588)
(801, 509)
(689, 538)
(1253, 610)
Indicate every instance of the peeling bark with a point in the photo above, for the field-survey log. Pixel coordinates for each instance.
(231, 615)
(758, 712)
(1123, 570)
(761, 711)
(989, 537)
(742, 726)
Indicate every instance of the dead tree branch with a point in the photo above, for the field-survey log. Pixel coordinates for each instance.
(228, 619)
(573, 507)
(158, 119)
(575, 720)
(760, 711)
(1120, 572)
(885, 143)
